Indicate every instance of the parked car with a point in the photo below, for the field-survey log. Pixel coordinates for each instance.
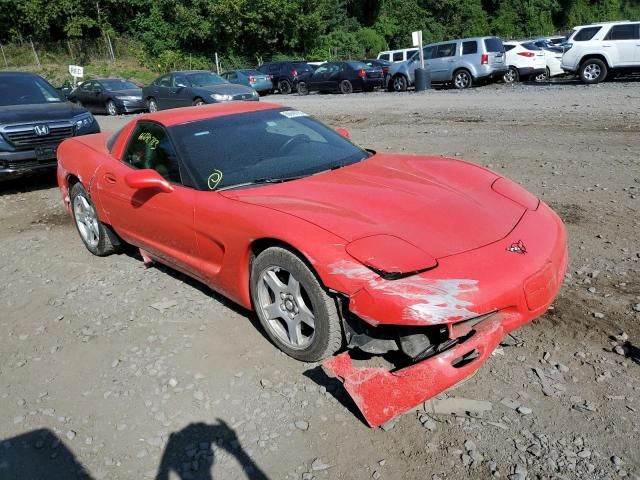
(343, 77)
(260, 82)
(460, 62)
(34, 119)
(383, 64)
(523, 62)
(193, 87)
(109, 95)
(330, 244)
(286, 75)
(401, 55)
(552, 58)
(598, 50)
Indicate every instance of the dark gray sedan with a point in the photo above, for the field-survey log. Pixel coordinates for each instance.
(193, 87)
(109, 95)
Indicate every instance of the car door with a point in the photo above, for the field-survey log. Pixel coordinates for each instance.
(161, 91)
(84, 94)
(180, 91)
(622, 44)
(158, 222)
(316, 80)
(443, 62)
(333, 76)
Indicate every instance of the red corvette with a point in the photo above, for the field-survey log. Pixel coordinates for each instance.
(333, 246)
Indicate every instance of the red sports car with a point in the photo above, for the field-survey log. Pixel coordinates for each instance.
(332, 245)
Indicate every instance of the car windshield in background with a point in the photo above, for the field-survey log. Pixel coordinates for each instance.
(358, 65)
(302, 67)
(586, 34)
(118, 84)
(493, 45)
(268, 146)
(205, 79)
(255, 73)
(26, 90)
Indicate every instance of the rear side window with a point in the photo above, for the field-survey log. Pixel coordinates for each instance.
(469, 48)
(623, 32)
(531, 46)
(586, 34)
(384, 56)
(302, 67)
(410, 53)
(509, 47)
(446, 50)
(397, 57)
(493, 45)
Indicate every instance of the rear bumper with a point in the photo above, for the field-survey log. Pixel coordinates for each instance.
(486, 72)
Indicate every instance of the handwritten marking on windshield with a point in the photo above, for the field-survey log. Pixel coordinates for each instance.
(214, 179)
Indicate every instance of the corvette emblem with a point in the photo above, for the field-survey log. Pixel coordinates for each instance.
(517, 247)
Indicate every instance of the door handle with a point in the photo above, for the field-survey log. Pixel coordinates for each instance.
(110, 178)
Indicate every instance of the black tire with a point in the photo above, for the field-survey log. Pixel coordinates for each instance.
(106, 241)
(593, 70)
(398, 83)
(543, 77)
(462, 79)
(302, 88)
(512, 75)
(152, 105)
(285, 87)
(346, 87)
(197, 102)
(326, 338)
(111, 108)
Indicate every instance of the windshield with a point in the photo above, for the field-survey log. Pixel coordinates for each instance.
(493, 45)
(118, 84)
(261, 147)
(205, 79)
(26, 90)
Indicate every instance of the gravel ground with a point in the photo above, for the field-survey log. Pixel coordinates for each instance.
(112, 370)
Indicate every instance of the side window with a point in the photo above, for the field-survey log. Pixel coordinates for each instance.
(586, 34)
(384, 56)
(149, 147)
(446, 50)
(178, 81)
(623, 32)
(274, 68)
(469, 48)
(509, 47)
(428, 52)
(87, 86)
(397, 56)
(164, 81)
(411, 53)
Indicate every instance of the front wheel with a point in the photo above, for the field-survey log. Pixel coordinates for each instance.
(298, 315)
(462, 79)
(152, 105)
(96, 236)
(111, 108)
(285, 87)
(511, 76)
(593, 71)
(399, 83)
(197, 102)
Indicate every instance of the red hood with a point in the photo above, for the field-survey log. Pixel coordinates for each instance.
(442, 206)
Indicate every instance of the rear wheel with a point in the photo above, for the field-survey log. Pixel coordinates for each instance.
(111, 108)
(346, 87)
(511, 76)
(96, 236)
(284, 86)
(293, 307)
(303, 89)
(152, 105)
(543, 77)
(593, 71)
(399, 83)
(462, 79)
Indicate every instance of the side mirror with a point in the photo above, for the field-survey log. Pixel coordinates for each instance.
(344, 132)
(147, 178)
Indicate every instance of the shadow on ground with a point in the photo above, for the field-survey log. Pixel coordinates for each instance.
(189, 454)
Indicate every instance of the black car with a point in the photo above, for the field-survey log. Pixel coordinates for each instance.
(109, 95)
(381, 63)
(286, 75)
(344, 77)
(193, 87)
(34, 119)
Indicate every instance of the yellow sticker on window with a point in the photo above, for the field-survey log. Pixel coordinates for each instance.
(214, 179)
(149, 139)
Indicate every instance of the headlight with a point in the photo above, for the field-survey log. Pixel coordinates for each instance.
(221, 98)
(255, 94)
(83, 121)
(129, 98)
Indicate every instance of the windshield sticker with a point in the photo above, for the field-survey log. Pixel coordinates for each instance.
(214, 179)
(149, 139)
(293, 113)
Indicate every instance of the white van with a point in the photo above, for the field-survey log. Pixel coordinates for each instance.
(397, 55)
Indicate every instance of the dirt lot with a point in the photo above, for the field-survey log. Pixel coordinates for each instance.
(112, 370)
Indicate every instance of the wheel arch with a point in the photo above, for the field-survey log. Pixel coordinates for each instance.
(261, 244)
(599, 56)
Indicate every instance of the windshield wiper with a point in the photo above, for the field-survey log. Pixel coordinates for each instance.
(261, 181)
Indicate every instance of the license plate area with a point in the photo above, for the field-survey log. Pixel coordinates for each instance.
(46, 153)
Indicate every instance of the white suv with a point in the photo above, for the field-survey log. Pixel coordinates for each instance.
(603, 48)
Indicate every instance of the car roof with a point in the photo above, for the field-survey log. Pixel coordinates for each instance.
(602, 24)
(17, 74)
(177, 116)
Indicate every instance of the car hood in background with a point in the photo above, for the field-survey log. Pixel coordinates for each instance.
(226, 89)
(129, 92)
(440, 206)
(39, 112)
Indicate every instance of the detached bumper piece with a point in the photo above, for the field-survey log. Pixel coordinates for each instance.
(382, 395)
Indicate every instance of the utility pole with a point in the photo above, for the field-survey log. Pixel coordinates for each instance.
(6, 65)
(35, 54)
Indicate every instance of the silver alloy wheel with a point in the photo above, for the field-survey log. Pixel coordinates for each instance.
(86, 220)
(399, 83)
(462, 80)
(153, 106)
(284, 308)
(592, 72)
(111, 108)
(510, 76)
